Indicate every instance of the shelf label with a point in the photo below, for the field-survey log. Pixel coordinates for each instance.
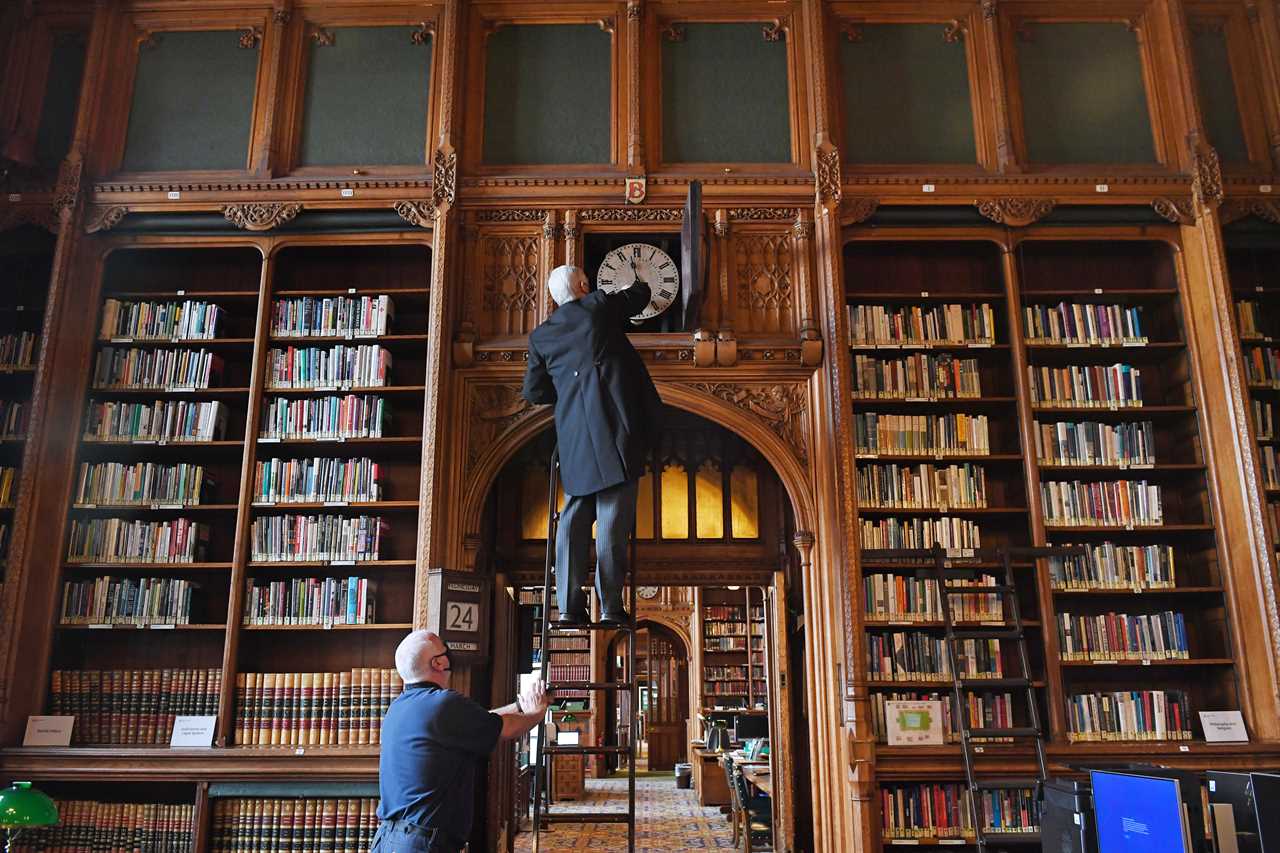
(905, 842)
(166, 506)
(162, 627)
(144, 441)
(1264, 188)
(15, 196)
(342, 562)
(99, 626)
(928, 188)
(173, 195)
(1223, 727)
(1184, 748)
(48, 730)
(1102, 188)
(193, 732)
(337, 503)
(347, 192)
(275, 439)
(264, 503)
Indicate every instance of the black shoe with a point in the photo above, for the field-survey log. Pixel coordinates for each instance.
(619, 619)
(573, 620)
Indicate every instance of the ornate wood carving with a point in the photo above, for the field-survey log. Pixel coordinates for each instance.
(233, 186)
(802, 228)
(775, 30)
(673, 32)
(763, 214)
(852, 31)
(260, 216)
(635, 130)
(827, 174)
(1016, 212)
(1180, 211)
(510, 280)
(494, 409)
(444, 177)
(607, 24)
(281, 12)
(424, 33)
(1206, 177)
(511, 214)
(145, 40)
(631, 214)
(104, 218)
(251, 38)
(633, 10)
(549, 228)
(989, 9)
(1238, 208)
(855, 210)
(763, 268)
(322, 37)
(953, 32)
(67, 190)
(419, 213)
(780, 407)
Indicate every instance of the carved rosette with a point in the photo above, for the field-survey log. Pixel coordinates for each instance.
(444, 177)
(856, 210)
(780, 407)
(104, 218)
(419, 213)
(1206, 177)
(827, 175)
(67, 190)
(1180, 211)
(631, 214)
(261, 216)
(1016, 212)
(493, 411)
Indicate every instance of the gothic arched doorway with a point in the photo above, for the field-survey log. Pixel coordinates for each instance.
(662, 679)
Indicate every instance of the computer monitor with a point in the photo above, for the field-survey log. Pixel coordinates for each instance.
(1233, 792)
(1266, 805)
(1139, 814)
(752, 726)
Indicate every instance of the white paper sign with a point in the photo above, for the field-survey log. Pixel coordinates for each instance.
(912, 723)
(193, 731)
(567, 738)
(1223, 727)
(48, 731)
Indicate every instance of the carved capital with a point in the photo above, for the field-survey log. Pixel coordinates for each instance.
(802, 229)
(634, 11)
(549, 227)
(444, 177)
(855, 210)
(322, 37)
(1180, 211)
(1206, 177)
(827, 175)
(607, 24)
(281, 12)
(720, 227)
(780, 407)
(1016, 212)
(775, 30)
(260, 216)
(251, 37)
(953, 32)
(989, 9)
(104, 218)
(66, 192)
(424, 33)
(494, 410)
(419, 213)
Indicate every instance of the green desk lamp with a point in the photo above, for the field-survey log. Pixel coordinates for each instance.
(22, 806)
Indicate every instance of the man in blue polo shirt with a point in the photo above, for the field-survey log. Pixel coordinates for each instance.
(433, 738)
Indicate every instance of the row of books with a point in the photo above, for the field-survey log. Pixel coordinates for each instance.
(722, 672)
(8, 485)
(141, 483)
(984, 710)
(123, 540)
(305, 538)
(314, 708)
(725, 644)
(14, 417)
(111, 600)
(1270, 467)
(362, 366)
(1120, 636)
(922, 376)
(310, 601)
(921, 435)
(163, 420)
(1264, 419)
(18, 350)
(944, 810)
(88, 825)
(1086, 386)
(951, 533)
(1129, 715)
(1262, 365)
(572, 644)
(329, 825)
(725, 688)
(331, 316)
(131, 706)
(724, 611)
(1083, 323)
(916, 656)
(922, 486)
(1115, 503)
(163, 369)
(897, 598)
(323, 418)
(188, 320)
(1254, 319)
(1107, 565)
(724, 629)
(315, 480)
(1095, 443)
(952, 323)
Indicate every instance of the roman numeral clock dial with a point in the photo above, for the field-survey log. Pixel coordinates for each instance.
(640, 261)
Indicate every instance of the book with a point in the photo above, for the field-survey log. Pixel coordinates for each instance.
(313, 708)
(135, 707)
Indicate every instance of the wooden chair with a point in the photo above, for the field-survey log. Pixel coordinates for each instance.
(756, 815)
(735, 807)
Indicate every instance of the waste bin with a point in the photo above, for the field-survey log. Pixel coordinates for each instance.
(684, 776)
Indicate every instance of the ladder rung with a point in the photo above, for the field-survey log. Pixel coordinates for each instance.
(999, 784)
(587, 750)
(587, 817)
(588, 685)
(992, 633)
(969, 590)
(970, 683)
(1015, 732)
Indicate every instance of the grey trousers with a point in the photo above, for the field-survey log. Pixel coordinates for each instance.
(614, 512)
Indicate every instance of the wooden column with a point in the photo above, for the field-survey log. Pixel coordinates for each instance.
(1000, 122)
(1264, 20)
(635, 128)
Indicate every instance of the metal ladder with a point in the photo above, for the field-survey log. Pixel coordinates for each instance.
(541, 801)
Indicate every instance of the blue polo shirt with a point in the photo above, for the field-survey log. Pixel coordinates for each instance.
(432, 741)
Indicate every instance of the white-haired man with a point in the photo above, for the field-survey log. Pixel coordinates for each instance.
(433, 739)
(607, 415)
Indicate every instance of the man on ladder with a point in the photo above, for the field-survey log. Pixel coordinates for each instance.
(607, 416)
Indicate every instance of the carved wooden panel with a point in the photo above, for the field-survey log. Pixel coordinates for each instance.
(763, 269)
(504, 290)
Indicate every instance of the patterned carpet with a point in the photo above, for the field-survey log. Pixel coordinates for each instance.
(667, 818)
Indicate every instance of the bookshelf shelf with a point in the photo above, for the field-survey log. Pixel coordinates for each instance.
(1150, 662)
(402, 627)
(332, 564)
(194, 627)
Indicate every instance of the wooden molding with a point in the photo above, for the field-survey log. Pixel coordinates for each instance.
(260, 216)
(631, 214)
(104, 217)
(419, 213)
(444, 177)
(1016, 212)
(1233, 210)
(1180, 211)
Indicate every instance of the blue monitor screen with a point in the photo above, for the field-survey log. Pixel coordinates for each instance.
(1137, 814)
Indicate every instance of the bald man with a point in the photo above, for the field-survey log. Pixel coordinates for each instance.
(433, 739)
(608, 415)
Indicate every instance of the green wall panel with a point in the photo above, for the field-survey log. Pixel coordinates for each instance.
(724, 96)
(1218, 94)
(548, 95)
(366, 99)
(1083, 98)
(906, 96)
(61, 100)
(192, 103)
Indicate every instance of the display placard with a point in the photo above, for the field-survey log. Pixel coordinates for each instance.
(458, 608)
(912, 723)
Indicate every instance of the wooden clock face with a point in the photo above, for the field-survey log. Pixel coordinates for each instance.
(625, 264)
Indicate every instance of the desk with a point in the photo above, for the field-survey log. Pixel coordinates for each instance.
(759, 776)
(709, 778)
